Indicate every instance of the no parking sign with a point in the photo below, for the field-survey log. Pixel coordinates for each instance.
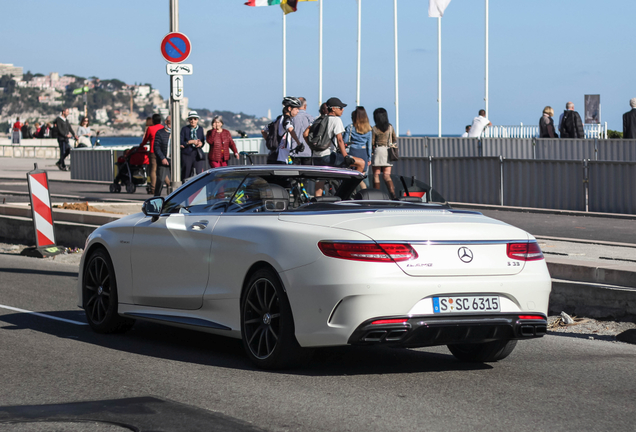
(175, 47)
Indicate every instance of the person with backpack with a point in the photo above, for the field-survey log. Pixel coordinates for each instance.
(570, 124)
(279, 133)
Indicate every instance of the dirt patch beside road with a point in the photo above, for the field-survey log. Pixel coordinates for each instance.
(81, 206)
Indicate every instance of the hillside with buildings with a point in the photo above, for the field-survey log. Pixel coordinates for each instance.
(114, 108)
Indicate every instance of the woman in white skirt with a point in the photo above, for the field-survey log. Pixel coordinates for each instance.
(383, 137)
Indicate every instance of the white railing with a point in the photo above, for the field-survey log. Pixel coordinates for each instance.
(532, 131)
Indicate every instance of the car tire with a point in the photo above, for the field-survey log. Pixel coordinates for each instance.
(99, 295)
(483, 352)
(267, 324)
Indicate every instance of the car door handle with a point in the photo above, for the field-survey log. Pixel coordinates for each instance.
(200, 225)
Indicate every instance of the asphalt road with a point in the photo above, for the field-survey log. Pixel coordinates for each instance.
(165, 379)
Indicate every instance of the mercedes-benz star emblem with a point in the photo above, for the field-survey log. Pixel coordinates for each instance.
(465, 254)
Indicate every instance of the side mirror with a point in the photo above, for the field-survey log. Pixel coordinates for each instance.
(152, 206)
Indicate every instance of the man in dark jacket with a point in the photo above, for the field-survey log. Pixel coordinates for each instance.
(26, 130)
(570, 124)
(64, 132)
(191, 139)
(629, 121)
(162, 151)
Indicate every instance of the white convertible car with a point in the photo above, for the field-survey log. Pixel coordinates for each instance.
(251, 253)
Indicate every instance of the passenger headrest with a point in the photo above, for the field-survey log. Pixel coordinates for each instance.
(275, 198)
(372, 195)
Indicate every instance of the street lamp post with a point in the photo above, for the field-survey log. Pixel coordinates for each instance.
(175, 163)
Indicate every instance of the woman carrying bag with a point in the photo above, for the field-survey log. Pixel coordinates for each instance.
(383, 138)
(220, 142)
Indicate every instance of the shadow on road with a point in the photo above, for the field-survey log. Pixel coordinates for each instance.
(189, 346)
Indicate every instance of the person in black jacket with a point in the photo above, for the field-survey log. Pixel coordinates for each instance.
(570, 125)
(64, 132)
(191, 139)
(546, 124)
(26, 130)
(629, 121)
(162, 150)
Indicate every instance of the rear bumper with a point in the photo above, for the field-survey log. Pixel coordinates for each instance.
(421, 331)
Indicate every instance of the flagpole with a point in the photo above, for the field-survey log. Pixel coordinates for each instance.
(439, 76)
(284, 54)
(359, 45)
(397, 101)
(486, 74)
(319, 53)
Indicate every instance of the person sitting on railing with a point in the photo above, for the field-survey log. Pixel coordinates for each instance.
(546, 124)
(479, 124)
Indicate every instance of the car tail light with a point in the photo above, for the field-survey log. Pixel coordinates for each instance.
(390, 321)
(529, 251)
(375, 252)
(531, 317)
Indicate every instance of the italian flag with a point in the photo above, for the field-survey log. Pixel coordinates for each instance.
(287, 6)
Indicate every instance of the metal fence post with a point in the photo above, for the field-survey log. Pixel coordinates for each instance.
(534, 147)
(596, 149)
(430, 171)
(501, 181)
(586, 184)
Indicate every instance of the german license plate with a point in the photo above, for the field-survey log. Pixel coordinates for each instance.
(454, 304)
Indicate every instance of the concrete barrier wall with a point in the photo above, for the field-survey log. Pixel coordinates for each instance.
(30, 151)
(612, 187)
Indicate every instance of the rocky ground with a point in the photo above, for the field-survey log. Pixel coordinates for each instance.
(580, 327)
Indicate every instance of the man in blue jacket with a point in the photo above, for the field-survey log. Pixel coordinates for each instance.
(191, 139)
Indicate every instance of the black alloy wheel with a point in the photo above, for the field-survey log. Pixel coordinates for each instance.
(99, 293)
(267, 325)
(483, 352)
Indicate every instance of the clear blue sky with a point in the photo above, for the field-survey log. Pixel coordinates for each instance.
(542, 52)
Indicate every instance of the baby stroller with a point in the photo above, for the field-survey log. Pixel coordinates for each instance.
(131, 170)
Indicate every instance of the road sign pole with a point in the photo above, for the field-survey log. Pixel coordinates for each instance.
(175, 163)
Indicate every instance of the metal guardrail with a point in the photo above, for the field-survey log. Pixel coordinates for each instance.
(532, 131)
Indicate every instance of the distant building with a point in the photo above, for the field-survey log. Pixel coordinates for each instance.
(9, 69)
(101, 115)
(73, 115)
(141, 91)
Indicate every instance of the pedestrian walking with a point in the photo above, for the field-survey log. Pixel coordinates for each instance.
(546, 124)
(383, 137)
(358, 136)
(629, 121)
(191, 140)
(570, 124)
(149, 139)
(162, 156)
(64, 132)
(479, 124)
(26, 130)
(300, 122)
(220, 141)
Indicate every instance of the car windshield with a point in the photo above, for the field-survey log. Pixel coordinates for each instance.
(259, 191)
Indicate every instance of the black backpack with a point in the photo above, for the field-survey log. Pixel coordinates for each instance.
(568, 127)
(273, 140)
(318, 140)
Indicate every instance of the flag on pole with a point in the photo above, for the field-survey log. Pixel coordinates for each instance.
(262, 2)
(436, 7)
(289, 6)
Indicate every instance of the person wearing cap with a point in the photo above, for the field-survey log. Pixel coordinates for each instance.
(335, 129)
(629, 121)
(149, 139)
(191, 138)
